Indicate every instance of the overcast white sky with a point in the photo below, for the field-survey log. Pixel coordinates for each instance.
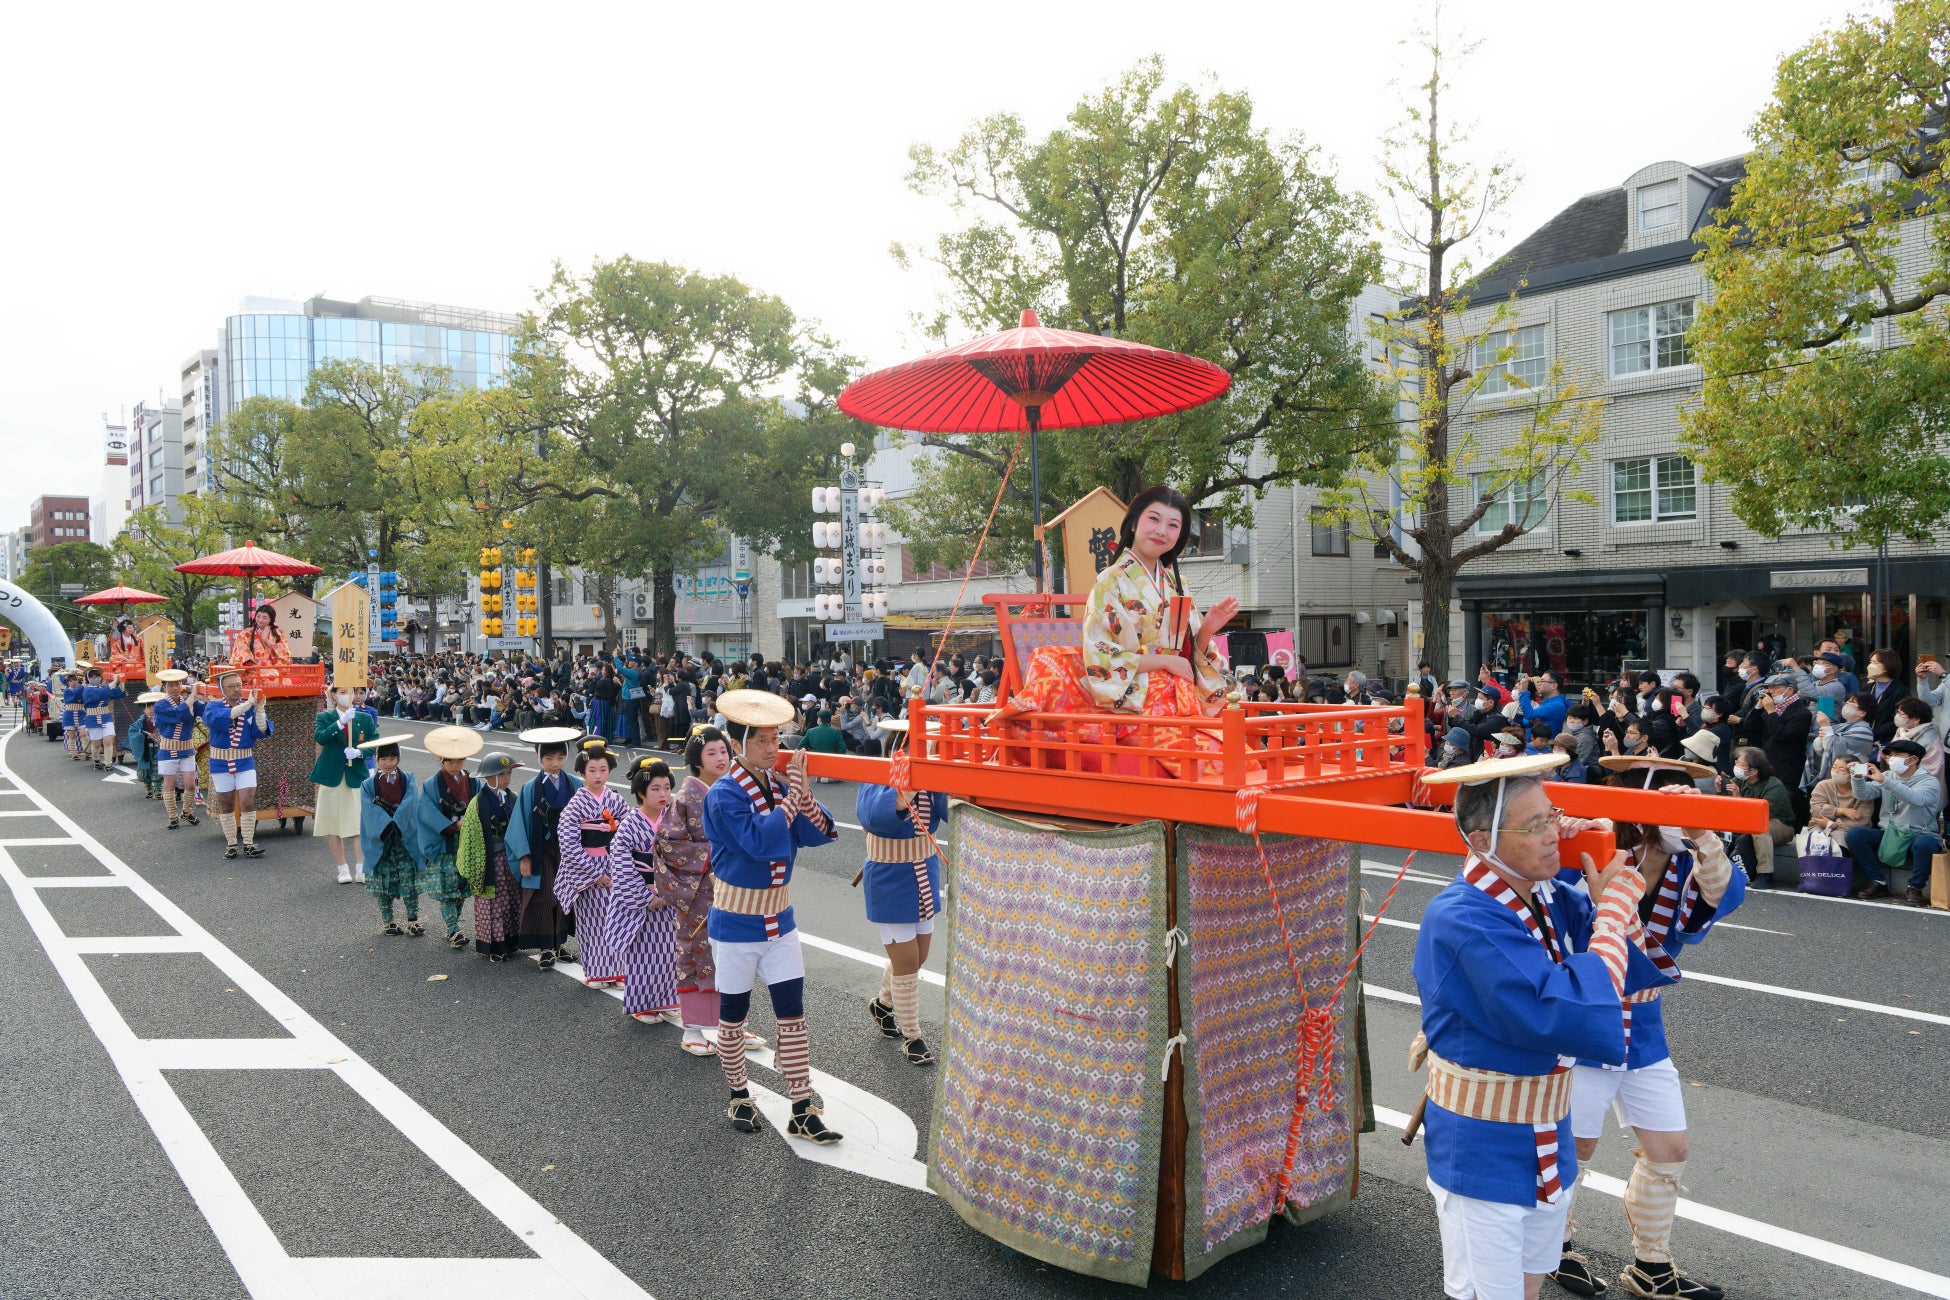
(161, 162)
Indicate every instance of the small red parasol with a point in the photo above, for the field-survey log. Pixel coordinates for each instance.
(121, 595)
(1033, 378)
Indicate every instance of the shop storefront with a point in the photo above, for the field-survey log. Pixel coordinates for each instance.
(1587, 628)
(1778, 608)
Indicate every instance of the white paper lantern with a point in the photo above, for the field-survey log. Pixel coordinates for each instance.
(819, 500)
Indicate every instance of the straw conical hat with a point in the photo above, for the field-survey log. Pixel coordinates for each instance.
(454, 742)
(755, 708)
(1496, 769)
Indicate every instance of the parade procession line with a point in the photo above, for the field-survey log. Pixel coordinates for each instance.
(563, 1263)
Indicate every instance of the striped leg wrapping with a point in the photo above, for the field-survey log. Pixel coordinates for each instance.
(731, 1053)
(886, 994)
(247, 825)
(794, 1058)
(1651, 1198)
(169, 799)
(907, 1005)
(229, 823)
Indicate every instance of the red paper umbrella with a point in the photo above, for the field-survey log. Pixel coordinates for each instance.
(1033, 378)
(120, 595)
(250, 561)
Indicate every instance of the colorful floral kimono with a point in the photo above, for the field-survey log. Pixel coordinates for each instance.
(1129, 614)
(642, 931)
(587, 826)
(684, 877)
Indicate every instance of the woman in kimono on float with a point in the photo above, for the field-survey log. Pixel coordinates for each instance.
(583, 880)
(1145, 648)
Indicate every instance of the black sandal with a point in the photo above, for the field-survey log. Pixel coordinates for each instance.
(173, 824)
(883, 1016)
(391, 927)
(547, 960)
(457, 940)
(1667, 1282)
(253, 851)
(743, 1114)
(917, 1052)
(414, 928)
(1574, 1274)
(229, 851)
(807, 1124)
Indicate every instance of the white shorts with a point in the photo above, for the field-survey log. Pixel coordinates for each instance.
(1647, 1098)
(225, 782)
(1487, 1246)
(104, 731)
(741, 966)
(903, 933)
(185, 766)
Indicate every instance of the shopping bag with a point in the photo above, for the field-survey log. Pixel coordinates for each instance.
(1828, 870)
(1940, 881)
(1815, 841)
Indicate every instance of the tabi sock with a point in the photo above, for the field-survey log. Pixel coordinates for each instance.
(793, 1057)
(229, 823)
(907, 1005)
(731, 1053)
(1651, 1197)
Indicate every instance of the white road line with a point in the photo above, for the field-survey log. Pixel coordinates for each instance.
(74, 882)
(137, 943)
(33, 840)
(862, 955)
(21, 812)
(1767, 1234)
(1775, 990)
(1390, 995)
(568, 1264)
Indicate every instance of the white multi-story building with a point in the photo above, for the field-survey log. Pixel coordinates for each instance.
(202, 405)
(1657, 573)
(154, 476)
(109, 508)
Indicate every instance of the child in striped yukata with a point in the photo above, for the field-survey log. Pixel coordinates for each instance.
(642, 926)
(902, 875)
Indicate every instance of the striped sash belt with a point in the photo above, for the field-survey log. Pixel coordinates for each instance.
(173, 746)
(910, 850)
(750, 902)
(230, 755)
(1491, 1094)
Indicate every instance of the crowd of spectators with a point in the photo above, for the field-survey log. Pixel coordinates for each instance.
(1852, 750)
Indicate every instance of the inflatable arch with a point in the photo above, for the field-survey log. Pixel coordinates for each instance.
(38, 622)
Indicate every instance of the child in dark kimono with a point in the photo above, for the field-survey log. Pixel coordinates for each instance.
(389, 818)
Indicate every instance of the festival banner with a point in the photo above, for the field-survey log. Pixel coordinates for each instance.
(347, 602)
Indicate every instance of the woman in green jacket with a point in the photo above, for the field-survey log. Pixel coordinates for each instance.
(1753, 778)
(338, 773)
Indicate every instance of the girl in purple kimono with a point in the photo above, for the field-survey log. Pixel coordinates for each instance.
(642, 934)
(684, 877)
(583, 880)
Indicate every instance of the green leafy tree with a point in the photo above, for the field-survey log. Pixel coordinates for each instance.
(255, 498)
(1836, 237)
(71, 564)
(149, 547)
(1422, 492)
(663, 380)
(1166, 216)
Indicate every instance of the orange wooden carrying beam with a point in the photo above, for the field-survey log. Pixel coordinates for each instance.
(1362, 809)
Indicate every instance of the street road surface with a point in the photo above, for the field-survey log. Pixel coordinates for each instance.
(217, 1079)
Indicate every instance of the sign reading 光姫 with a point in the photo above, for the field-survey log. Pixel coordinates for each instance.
(1089, 537)
(350, 634)
(1814, 579)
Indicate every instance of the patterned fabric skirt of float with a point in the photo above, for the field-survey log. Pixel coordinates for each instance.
(284, 759)
(1241, 1011)
(1049, 1114)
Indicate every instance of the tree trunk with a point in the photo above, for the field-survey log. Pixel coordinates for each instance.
(663, 589)
(607, 586)
(1438, 594)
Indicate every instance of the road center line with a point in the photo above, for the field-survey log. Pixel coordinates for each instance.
(1802, 995)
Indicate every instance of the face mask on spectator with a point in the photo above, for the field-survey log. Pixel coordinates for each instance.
(1574, 724)
(1851, 713)
(1898, 764)
(1709, 715)
(1741, 772)
(1671, 840)
(1822, 669)
(1876, 671)
(1485, 703)
(1747, 674)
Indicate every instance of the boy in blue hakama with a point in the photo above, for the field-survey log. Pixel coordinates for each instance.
(389, 835)
(535, 843)
(176, 718)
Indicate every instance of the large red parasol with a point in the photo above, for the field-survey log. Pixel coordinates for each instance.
(248, 562)
(121, 595)
(1033, 378)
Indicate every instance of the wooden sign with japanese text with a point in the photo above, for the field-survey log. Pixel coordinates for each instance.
(298, 620)
(158, 636)
(1089, 538)
(347, 603)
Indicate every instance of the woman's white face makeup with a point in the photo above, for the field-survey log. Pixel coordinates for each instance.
(1157, 530)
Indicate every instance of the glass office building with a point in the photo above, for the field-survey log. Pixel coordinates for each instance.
(270, 353)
